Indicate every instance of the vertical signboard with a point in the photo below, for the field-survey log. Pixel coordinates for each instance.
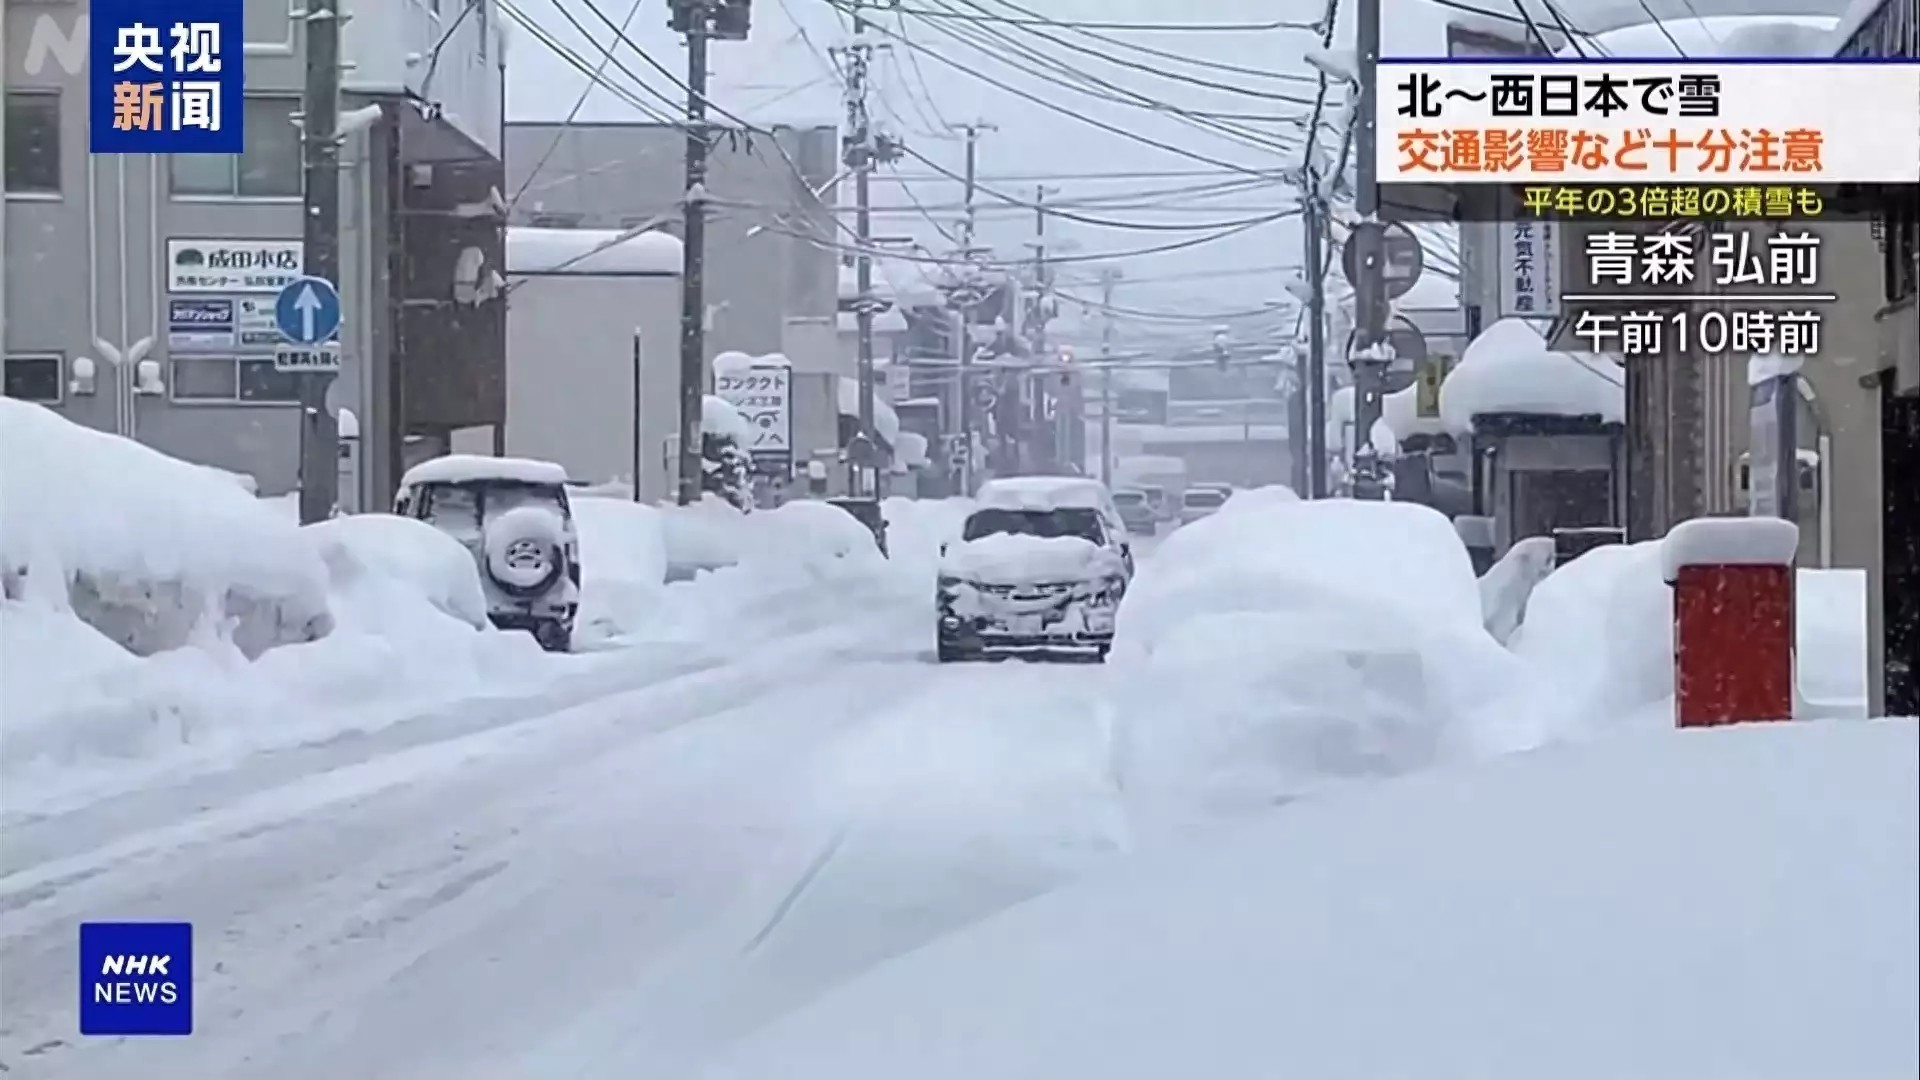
(1481, 241)
(1529, 255)
(762, 392)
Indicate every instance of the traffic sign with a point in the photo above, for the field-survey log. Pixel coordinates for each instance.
(1403, 261)
(320, 359)
(307, 311)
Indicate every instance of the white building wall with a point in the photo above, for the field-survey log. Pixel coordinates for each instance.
(571, 376)
(388, 47)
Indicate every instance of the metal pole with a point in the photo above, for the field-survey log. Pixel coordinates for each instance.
(693, 314)
(320, 238)
(1108, 278)
(1370, 293)
(965, 357)
(860, 155)
(639, 464)
(1315, 383)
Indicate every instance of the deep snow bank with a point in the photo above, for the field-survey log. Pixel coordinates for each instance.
(1736, 903)
(148, 549)
(1600, 631)
(1265, 651)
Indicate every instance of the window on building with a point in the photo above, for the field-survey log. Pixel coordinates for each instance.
(557, 221)
(34, 378)
(267, 22)
(251, 379)
(269, 168)
(33, 141)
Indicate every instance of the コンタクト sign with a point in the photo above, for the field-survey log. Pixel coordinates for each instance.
(165, 78)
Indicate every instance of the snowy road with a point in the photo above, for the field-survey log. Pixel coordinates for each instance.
(610, 884)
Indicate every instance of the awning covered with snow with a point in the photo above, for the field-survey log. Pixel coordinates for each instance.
(1508, 369)
(591, 252)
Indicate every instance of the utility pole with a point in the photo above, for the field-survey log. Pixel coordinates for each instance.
(1109, 277)
(693, 254)
(701, 21)
(1370, 358)
(1043, 294)
(964, 297)
(862, 151)
(1314, 385)
(320, 241)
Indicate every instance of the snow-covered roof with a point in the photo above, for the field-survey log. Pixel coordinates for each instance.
(718, 416)
(886, 422)
(1401, 411)
(467, 468)
(590, 251)
(910, 451)
(1798, 34)
(1509, 369)
(1043, 493)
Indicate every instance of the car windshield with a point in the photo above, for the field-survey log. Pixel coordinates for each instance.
(1205, 499)
(1058, 522)
(461, 510)
(1125, 499)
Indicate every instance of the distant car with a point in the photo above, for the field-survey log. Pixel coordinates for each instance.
(514, 516)
(1040, 566)
(1200, 502)
(1137, 512)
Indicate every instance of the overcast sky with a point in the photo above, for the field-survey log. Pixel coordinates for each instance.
(940, 71)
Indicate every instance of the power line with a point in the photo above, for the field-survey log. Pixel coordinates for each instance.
(1109, 256)
(1213, 122)
(578, 63)
(1105, 223)
(1215, 28)
(1661, 26)
(606, 57)
(1135, 65)
(1064, 111)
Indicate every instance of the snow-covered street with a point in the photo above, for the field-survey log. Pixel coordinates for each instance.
(616, 882)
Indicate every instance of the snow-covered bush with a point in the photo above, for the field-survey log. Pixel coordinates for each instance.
(726, 466)
(1507, 585)
(148, 549)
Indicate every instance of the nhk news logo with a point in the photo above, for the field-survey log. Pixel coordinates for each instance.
(136, 978)
(166, 77)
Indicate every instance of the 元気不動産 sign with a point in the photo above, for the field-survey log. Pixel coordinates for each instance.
(165, 78)
(1647, 121)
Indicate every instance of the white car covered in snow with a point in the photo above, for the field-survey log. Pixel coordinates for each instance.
(1041, 565)
(514, 516)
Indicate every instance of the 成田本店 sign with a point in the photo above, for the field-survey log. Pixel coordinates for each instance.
(233, 266)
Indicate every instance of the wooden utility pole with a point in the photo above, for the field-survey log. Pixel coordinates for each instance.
(320, 241)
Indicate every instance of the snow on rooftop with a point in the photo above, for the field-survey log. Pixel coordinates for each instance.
(1718, 35)
(1509, 369)
(469, 468)
(1729, 541)
(590, 251)
(1732, 903)
(890, 321)
(886, 422)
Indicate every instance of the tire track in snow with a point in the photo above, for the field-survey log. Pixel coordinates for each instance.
(315, 920)
(921, 838)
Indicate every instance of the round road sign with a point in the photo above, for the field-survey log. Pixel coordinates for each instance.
(1404, 260)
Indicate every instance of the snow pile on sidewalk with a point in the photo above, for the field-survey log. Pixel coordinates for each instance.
(149, 550)
(916, 528)
(1736, 903)
(1600, 631)
(623, 566)
(1266, 651)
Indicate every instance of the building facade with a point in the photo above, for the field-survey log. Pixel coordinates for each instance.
(769, 225)
(175, 260)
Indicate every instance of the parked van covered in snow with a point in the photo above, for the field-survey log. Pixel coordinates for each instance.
(514, 515)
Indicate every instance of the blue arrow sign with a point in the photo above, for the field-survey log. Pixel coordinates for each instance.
(307, 311)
